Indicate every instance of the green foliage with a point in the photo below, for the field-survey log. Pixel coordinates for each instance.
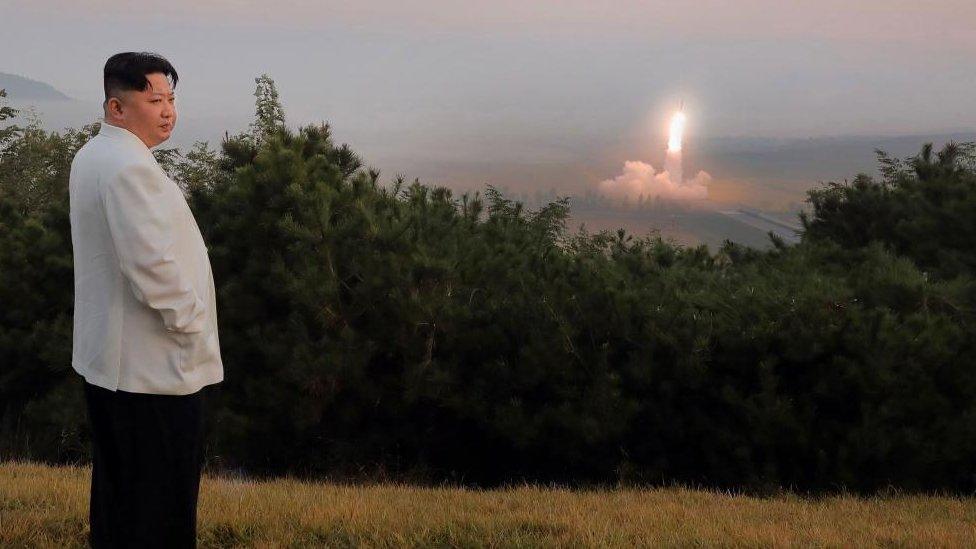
(7, 112)
(371, 329)
(924, 207)
(36, 291)
(269, 116)
(34, 166)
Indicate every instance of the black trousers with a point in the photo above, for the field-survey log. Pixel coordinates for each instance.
(147, 452)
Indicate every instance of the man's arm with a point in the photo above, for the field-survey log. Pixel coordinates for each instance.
(142, 231)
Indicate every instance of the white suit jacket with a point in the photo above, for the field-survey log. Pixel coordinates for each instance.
(145, 317)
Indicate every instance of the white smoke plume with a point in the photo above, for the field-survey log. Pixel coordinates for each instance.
(640, 179)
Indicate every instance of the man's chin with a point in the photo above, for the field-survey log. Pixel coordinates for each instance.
(160, 139)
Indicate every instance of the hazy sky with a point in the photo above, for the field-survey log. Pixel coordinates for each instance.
(529, 82)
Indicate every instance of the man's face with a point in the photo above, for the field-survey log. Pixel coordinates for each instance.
(150, 113)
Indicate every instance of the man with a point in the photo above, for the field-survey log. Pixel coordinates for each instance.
(145, 319)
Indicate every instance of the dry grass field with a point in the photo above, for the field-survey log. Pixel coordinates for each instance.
(42, 506)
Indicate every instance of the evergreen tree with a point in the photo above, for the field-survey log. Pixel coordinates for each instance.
(39, 411)
(7, 112)
(924, 207)
(269, 114)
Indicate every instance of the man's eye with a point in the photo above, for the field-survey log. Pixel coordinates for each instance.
(154, 101)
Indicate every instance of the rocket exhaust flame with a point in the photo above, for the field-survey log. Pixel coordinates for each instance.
(676, 132)
(672, 160)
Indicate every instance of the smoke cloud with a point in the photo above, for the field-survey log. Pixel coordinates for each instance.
(640, 179)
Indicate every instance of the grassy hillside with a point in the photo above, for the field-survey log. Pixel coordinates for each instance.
(42, 506)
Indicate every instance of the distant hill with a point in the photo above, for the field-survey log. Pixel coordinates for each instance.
(817, 158)
(20, 88)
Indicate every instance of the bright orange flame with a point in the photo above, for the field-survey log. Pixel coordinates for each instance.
(677, 130)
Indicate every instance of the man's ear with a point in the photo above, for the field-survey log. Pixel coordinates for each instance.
(113, 107)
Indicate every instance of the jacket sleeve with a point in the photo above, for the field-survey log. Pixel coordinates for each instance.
(141, 228)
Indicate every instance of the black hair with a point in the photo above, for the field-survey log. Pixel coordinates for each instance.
(127, 71)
